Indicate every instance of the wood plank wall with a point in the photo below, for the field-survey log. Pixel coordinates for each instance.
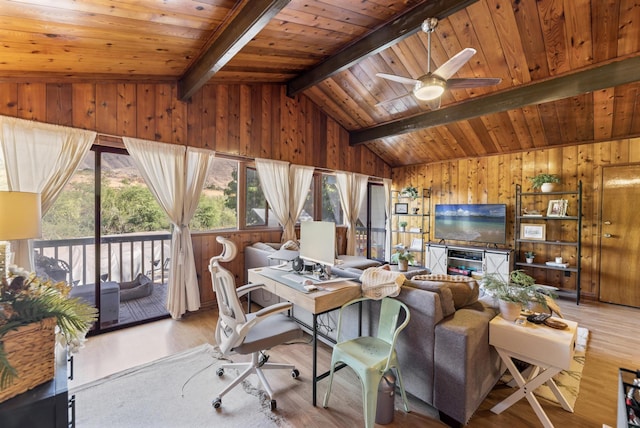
(493, 179)
(249, 121)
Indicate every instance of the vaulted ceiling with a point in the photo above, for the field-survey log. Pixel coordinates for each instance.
(570, 69)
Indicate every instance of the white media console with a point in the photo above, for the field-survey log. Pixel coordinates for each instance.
(466, 260)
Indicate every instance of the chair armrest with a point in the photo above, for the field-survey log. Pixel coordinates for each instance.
(262, 314)
(269, 310)
(241, 291)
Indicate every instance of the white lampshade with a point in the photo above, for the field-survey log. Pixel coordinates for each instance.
(19, 215)
(430, 91)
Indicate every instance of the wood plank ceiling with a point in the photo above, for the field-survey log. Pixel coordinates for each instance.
(569, 68)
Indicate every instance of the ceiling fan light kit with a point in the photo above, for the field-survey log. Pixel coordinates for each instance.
(431, 86)
(429, 90)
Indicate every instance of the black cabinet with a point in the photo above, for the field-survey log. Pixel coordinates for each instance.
(46, 405)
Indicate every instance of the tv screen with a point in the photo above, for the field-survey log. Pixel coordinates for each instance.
(318, 242)
(485, 223)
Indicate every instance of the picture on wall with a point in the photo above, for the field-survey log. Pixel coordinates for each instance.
(401, 208)
(557, 208)
(532, 231)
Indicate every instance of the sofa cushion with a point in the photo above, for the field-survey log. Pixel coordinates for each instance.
(439, 288)
(357, 262)
(264, 247)
(464, 289)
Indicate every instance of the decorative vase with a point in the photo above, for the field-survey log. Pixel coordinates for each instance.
(403, 265)
(510, 311)
(529, 259)
(547, 187)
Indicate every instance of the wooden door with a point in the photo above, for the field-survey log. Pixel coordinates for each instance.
(620, 240)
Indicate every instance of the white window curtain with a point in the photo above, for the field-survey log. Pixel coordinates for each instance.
(40, 158)
(300, 177)
(352, 189)
(274, 180)
(175, 175)
(387, 209)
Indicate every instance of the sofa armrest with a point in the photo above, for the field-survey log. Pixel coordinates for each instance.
(466, 366)
(416, 342)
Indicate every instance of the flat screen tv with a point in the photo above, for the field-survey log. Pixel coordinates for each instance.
(318, 242)
(482, 223)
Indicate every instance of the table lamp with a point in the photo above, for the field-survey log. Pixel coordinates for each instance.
(19, 219)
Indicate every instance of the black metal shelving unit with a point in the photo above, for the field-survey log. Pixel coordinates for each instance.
(539, 200)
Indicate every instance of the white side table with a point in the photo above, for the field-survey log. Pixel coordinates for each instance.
(548, 350)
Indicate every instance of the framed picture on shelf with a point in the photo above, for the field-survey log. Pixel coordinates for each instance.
(401, 208)
(533, 231)
(557, 208)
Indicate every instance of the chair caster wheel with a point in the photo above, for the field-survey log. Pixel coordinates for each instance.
(295, 373)
(220, 371)
(217, 403)
(273, 405)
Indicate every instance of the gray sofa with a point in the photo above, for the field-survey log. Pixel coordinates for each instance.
(444, 352)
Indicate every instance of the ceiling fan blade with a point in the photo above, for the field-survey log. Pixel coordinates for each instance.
(434, 104)
(399, 79)
(450, 67)
(392, 99)
(472, 82)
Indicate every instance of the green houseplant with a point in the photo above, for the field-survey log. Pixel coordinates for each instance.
(520, 291)
(529, 255)
(409, 191)
(403, 258)
(540, 180)
(403, 225)
(26, 299)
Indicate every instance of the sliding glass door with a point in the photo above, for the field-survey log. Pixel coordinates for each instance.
(126, 275)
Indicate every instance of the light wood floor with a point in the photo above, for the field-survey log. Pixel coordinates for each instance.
(614, 342)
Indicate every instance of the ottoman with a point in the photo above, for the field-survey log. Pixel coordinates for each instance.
(109, 299)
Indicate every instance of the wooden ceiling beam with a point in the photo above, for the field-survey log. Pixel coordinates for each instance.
(613, 73)
(253, 17)
(389, 34)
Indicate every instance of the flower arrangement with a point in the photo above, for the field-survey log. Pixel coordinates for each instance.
(26, 298)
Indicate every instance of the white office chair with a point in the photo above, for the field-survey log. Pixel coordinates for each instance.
(237, 332)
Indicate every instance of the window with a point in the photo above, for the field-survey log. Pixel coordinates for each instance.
(218, 204)
(257, 213)
(331, 209)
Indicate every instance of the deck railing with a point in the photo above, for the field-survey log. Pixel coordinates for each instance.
(122, 257)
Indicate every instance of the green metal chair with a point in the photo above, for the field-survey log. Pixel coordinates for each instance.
(371, 356)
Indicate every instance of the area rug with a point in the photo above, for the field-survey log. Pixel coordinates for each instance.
(175, 392)
(568, 381)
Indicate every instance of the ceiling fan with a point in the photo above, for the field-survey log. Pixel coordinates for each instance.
(430, 87)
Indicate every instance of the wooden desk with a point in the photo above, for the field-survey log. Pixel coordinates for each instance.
(547, 349)
(332, 296)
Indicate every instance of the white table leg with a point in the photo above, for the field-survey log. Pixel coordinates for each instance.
(526, 388)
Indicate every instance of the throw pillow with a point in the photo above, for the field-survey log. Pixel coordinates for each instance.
(291, 245)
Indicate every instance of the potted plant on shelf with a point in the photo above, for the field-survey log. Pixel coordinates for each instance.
(544, 182)
(402, 258)
(409, 192)
(529, 255)
(403, 225)
(520, 291)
